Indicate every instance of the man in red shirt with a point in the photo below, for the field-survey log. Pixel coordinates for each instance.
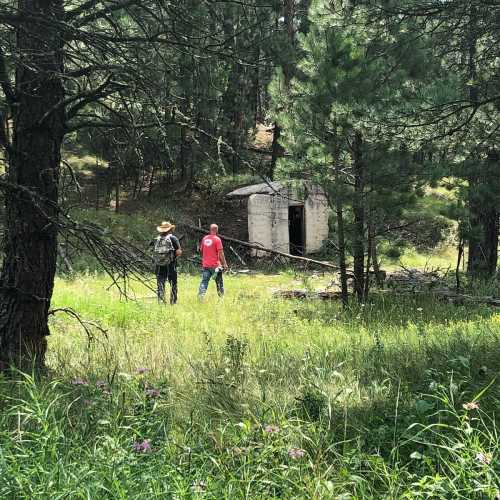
(213, 261)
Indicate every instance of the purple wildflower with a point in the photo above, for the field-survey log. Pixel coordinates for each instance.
(142, 370)
(152, 393)
(296, 453)
(271, 429)
(79, 381)
(101, 384)
(142, 446)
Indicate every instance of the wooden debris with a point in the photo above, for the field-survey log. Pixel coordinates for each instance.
(263, 249)
(413, 280)
(464, 299)
(242, 262)
(61, 250)
(304, 294)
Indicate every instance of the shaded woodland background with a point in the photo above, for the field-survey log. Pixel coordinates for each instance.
(376, 101)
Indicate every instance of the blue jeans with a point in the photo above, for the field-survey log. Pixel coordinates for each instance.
(206, 275)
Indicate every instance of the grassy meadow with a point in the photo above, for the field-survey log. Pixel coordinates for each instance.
(255, 397)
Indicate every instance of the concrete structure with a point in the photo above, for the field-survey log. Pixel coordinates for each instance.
(291, 220)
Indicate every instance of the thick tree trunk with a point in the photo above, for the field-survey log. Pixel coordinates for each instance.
(358, 247)
(27, 276)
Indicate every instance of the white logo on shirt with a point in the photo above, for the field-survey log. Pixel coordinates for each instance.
(208, 243)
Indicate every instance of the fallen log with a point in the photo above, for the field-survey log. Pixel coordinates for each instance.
(304, 294)
(263, 249)
(449, 296)
(461, 299)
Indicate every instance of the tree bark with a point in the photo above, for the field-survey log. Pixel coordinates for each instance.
(117, 187)
(358, 247)
(27, 275)
(379, 274)
(369, 254)
(276, 151)
(483, 239)
(339, 210)
(288, 68)
(483, 182)
(289, 18)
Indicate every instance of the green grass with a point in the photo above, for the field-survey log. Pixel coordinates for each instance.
(442, 258)
(363, 403)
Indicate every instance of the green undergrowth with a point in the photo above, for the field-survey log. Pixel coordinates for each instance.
(254, 397)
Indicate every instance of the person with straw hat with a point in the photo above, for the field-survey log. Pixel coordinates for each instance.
(166, 249)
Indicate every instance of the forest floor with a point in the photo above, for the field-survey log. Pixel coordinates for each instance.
(257, 397)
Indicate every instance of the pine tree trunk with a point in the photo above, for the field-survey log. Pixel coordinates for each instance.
(358, 247)
(117, 188)
(339, 210)
(369, 254)
(379, 274)
(484, 235)
(27, 276)
(289, 18)
(276, 150)
(483, 180)
(182, 158)
(288, 67)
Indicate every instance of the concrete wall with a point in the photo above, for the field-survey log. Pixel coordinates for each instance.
(316, 217)
(268, 220)
(260, 221)
(280, 233)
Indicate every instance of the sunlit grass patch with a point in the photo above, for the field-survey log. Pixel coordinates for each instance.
(255, 397)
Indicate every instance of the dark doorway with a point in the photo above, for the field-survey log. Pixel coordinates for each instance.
(296, 229)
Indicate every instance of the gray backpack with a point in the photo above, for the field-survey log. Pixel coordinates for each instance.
(164, 251)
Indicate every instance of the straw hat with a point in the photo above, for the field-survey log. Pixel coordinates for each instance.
(165, 227)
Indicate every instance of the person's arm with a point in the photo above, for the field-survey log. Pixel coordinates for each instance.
(222, 259)
(220, 253)
(177, 246)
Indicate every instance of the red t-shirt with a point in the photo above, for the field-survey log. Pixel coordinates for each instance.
(210, 247)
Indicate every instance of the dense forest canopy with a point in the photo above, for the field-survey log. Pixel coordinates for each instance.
(375, 101)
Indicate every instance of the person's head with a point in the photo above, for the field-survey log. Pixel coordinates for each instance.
(214, 228)
(165, 228)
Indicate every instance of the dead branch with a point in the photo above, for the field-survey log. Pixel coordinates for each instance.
(87, 325)
(120, 259)
(304, 294)
(242, 262)
(255, 246)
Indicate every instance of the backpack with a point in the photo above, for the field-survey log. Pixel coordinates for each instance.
(164, 251)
